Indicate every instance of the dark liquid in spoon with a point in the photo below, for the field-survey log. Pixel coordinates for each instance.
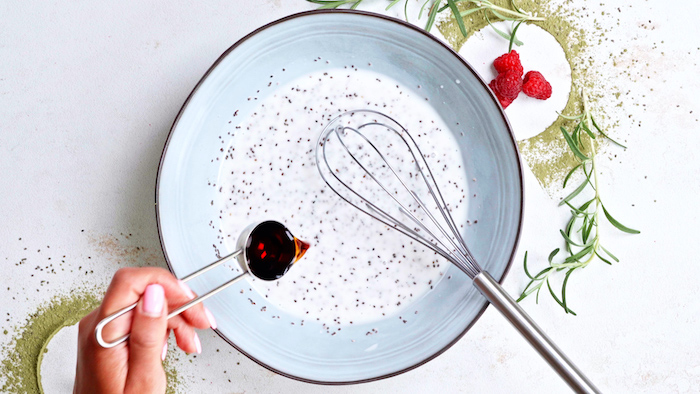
(271, 250)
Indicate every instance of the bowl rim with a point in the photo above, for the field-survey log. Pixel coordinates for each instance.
(437, 41)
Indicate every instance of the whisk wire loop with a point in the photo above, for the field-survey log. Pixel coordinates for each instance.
(449, 243)
(444, 239)
(379, 214)
(460, 258)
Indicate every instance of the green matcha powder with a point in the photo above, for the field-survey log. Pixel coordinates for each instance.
(21, 359)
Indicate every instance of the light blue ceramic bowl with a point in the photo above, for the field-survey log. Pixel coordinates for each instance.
(408, 55)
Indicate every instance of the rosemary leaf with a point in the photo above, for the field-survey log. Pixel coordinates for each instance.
(587, 229)
(393, 3)
(500, 16)
(330, 4)
(577, 117)
(512, 36)
(581, 211)
(576, 192)
(573, 146)
(617, 224)
(515, 7)
(554, 295)
(566, 179)
(544, 271)
(527, 292)
(588, 131)
(605, 135)
(609, 254)
(575, 257)
(458, 17)
(432, 14)
(420, 13)
(471, 11)
(525, 266)
(503, 34)
(603, 259)
(563, 292)
(569, 226)
(585, 205)
(569, 240)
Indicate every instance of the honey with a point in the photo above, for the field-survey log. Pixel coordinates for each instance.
(271, 250)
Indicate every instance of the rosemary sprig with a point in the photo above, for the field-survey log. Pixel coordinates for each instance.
(331, 4)
(581, 233)
(436, 6)
(515, 14)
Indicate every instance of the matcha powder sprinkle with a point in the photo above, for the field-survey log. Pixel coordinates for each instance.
(21, 359)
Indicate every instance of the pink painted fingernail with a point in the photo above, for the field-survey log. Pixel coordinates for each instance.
(186, 289)
(153, 300)
(165, 351)
(197, 343)
(210, 317)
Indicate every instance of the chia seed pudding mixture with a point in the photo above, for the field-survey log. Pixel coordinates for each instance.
(357, 270)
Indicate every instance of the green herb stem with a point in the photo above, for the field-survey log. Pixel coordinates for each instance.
(515, 14)
(481, 5)
(585, 219)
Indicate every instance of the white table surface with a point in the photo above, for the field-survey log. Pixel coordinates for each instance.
(89, 90)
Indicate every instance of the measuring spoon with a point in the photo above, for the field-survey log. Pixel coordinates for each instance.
(265, 249)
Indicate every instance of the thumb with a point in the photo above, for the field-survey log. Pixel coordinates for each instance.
(148, 332)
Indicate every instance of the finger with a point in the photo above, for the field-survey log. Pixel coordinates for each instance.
(148, 331)
(129, 284)
(185, 335)
(127, 287)
(87, 324)
(198, 315)
(164, 352)
(93, 360)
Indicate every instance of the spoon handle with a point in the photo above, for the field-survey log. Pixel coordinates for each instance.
(529, 329)
(100, 326)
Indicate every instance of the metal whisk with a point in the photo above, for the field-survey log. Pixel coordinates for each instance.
(354, 156)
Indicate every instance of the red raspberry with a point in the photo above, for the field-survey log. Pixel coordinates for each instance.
(508, 62)
(505, 102)
(508, 84)
(536, 86)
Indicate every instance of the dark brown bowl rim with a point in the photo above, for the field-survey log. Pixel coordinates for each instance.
(467, 65)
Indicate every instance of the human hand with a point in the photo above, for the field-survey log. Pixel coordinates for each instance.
(135, 366)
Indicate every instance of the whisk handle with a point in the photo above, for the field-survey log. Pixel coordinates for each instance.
(529, 329)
